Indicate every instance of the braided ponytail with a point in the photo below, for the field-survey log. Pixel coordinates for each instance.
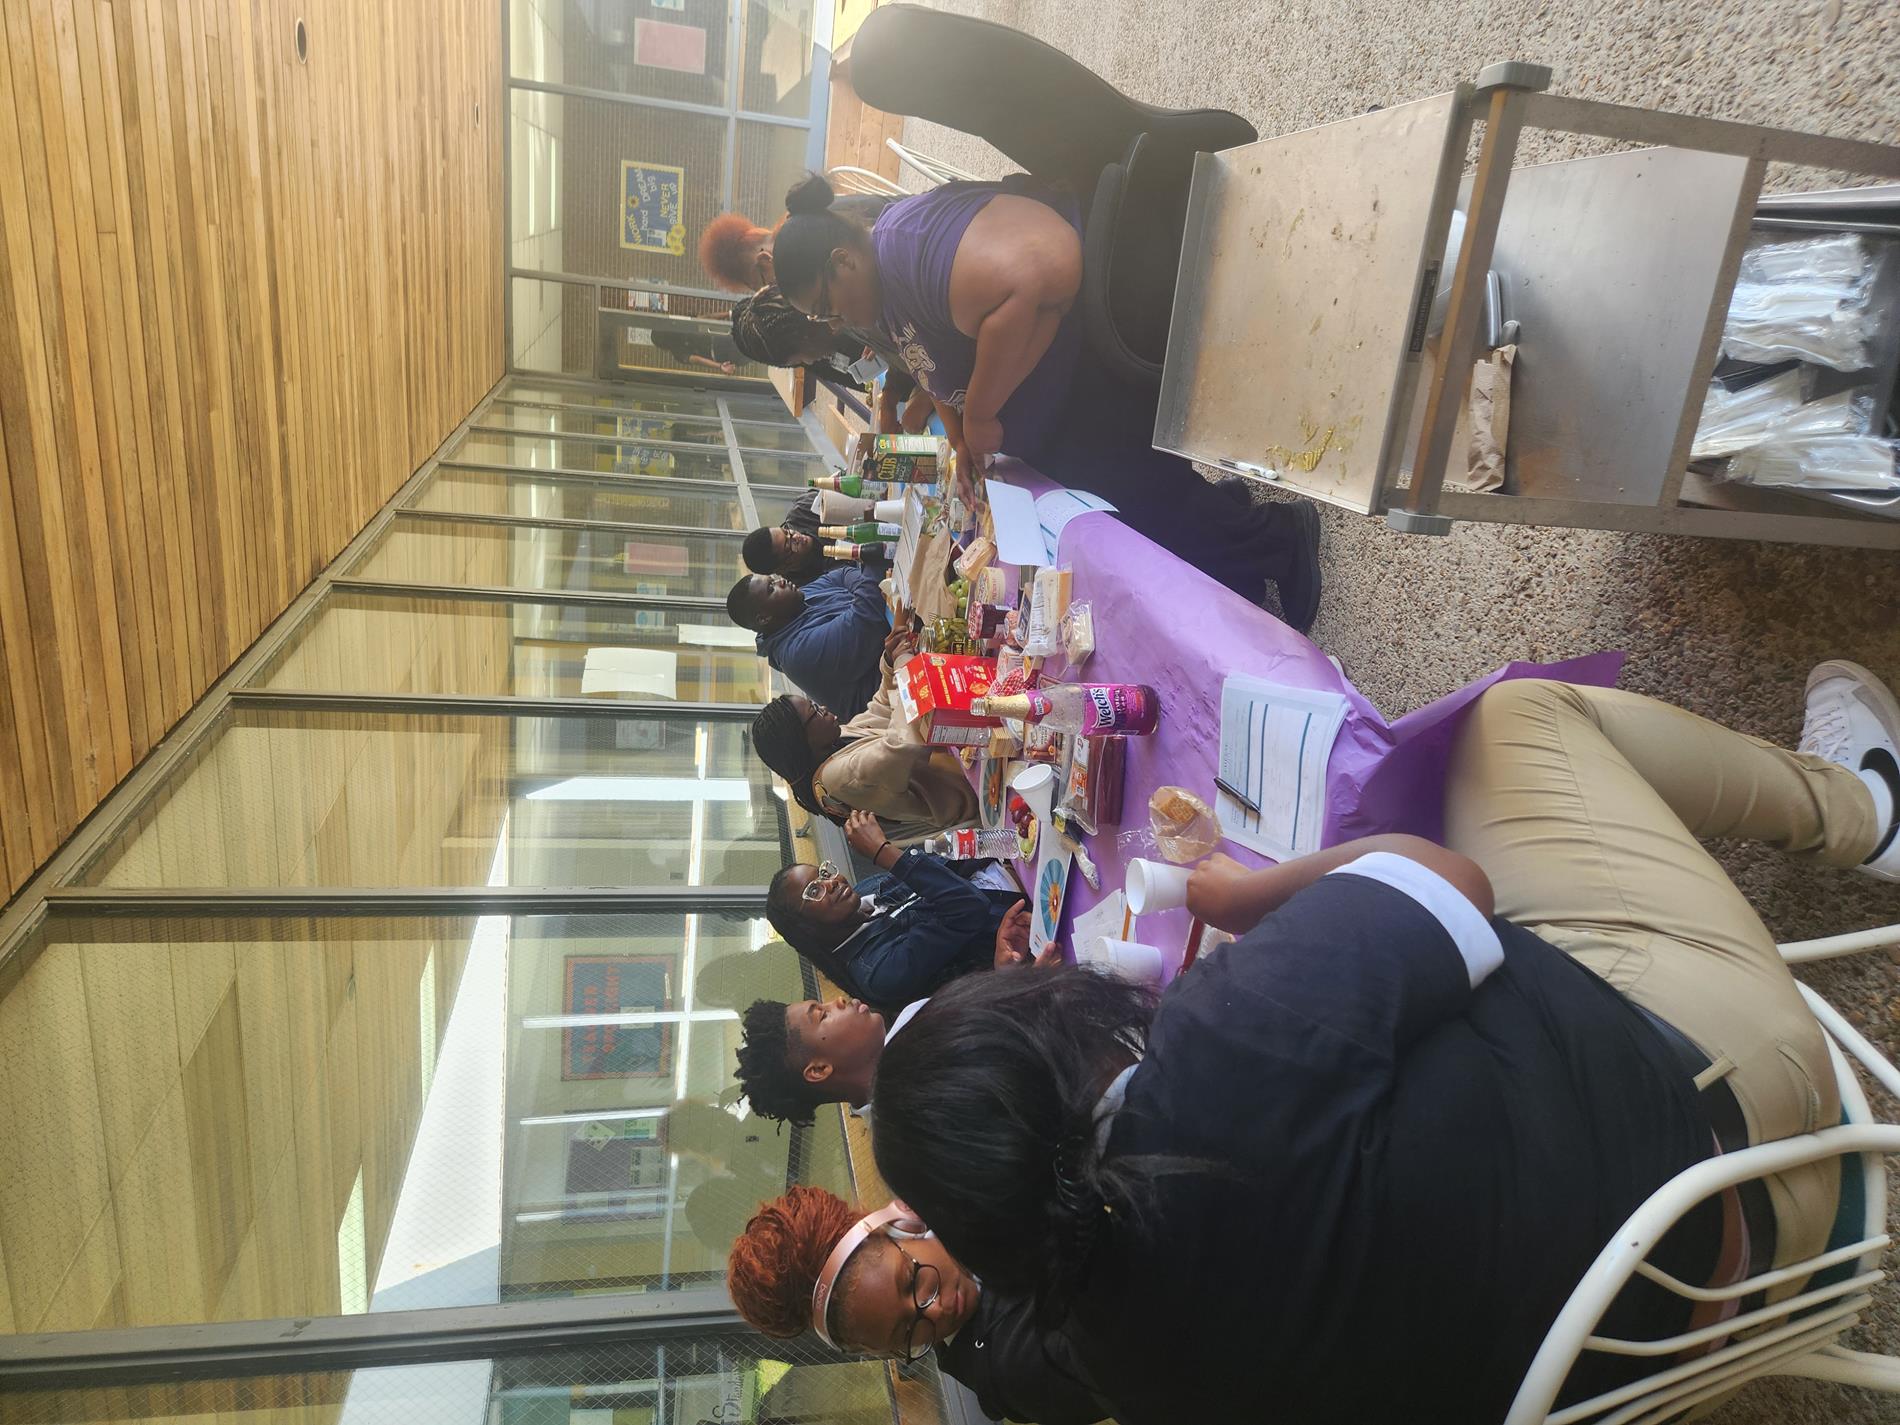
(986, 1125)
(769, 329)
(778, 732)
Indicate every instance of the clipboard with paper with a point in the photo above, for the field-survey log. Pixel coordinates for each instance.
(1275, 742)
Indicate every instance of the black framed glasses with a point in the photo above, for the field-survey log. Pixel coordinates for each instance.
(926, 1283)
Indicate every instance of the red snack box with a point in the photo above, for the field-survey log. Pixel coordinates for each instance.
(936, 690)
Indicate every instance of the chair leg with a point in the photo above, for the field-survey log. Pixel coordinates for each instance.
(1845, 1367)
(1832, 947)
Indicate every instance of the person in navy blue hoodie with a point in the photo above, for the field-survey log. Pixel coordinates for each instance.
(896, 936)
(827, 637)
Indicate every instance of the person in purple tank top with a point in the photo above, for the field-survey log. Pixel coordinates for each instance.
(975, 284)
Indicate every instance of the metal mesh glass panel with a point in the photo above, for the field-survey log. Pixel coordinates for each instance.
(760, 408)
(389, 643)
(215, 1119)
(787, 469)
(645, 400)
(624, 46)
(775, 66)
(641, 447)
(632, 501)
(546, 420)
(716, 1379)
(660, 566)
(771, 158)
(392, 799)
(597, 137)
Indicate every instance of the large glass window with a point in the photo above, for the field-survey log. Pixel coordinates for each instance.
(222, 1118)
(603, 561)
(387, 799)
(641, 446)
(787, 469)
(618, 500)
(629, 400)
(738, 1378)
(575, 420)
(384, 643)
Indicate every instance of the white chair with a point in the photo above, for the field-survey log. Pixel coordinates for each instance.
(1795, 1337)
(849, 178)
(934, 170)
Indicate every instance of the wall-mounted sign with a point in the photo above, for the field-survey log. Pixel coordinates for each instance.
(606, 985)
(652, 207)
(661, 44)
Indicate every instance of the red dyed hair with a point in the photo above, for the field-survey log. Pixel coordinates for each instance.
(727, 251)
(776, 1261)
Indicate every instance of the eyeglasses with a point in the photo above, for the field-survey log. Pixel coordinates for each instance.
(922, 1300)
(815, 887)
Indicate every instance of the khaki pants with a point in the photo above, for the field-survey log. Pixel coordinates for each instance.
(1585, 805)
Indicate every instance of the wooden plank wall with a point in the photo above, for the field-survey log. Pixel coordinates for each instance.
(241, 299)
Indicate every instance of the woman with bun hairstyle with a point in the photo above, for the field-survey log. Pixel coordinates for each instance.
(975, 284)
(881, 1284)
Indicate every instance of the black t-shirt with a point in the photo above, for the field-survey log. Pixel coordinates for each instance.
(1017, 1370)
(1399, 1177)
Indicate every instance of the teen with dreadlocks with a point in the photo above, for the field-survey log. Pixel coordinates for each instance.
(883, 1285)
(767, 328)
(871, 763)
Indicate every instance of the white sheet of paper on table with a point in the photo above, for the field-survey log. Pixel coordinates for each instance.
(910, 533)
(1029, 527)
(1107, 920)
(1018, 530)
(1275, 742)
(1054, 510)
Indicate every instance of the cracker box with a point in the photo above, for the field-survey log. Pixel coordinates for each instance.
(935, 691)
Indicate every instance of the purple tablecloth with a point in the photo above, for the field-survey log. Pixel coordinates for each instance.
(1160, 621)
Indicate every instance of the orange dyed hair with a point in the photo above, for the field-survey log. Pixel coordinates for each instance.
(776, 1260)
(726, 251)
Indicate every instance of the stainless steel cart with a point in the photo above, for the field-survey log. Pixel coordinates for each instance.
(1298, 348)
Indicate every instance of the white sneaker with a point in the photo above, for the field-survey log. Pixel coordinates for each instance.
(1853, 720)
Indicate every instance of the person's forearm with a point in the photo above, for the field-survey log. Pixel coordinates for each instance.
(917, 409)
(888, 419)
(1271, 887)
(952, 420)
(1012, 339)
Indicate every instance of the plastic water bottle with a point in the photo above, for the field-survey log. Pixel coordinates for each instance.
(970, 842)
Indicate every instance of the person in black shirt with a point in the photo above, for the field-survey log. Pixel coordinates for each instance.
(1395, 1121)
(769, 329)
(714, 350)
(882, 1285)
(793, 550)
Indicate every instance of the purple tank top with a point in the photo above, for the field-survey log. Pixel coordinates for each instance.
(915, 241)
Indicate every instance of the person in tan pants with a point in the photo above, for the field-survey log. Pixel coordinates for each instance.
(1587, 807)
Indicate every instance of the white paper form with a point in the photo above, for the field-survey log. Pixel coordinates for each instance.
(1275, 742)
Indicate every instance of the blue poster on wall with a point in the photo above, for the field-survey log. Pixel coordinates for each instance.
(601, 986)
(652, 207)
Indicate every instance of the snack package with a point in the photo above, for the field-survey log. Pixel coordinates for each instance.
(976, 558)
(1078, 633)
(1043, 744)
(1184, 826)
(1074, 803)
(1048, 602)
(935, 691)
